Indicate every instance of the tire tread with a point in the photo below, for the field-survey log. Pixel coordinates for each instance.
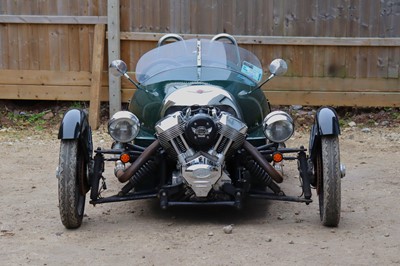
(68, 192)
(331, 181)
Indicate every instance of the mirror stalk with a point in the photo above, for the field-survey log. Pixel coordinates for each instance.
(137, 85)
(276, 68)
(259, 86)
(132, 81)
(265, 81)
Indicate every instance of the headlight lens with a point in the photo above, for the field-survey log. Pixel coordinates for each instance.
(278, 126)
(123, 126)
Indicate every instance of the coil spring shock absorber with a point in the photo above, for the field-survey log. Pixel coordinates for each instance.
(258, 172)
(141, 174)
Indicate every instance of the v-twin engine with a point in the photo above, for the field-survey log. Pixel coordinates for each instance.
(200, 138)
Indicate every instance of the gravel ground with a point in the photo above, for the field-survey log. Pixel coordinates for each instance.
(140, 233)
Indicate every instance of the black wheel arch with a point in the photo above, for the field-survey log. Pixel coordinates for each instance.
(75, 125)
(326, 123)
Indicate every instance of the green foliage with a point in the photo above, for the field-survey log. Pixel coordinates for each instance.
(36, 118)
(77, 105)
(371, 122)
(396, 115)
(28, 119)
(343, 122)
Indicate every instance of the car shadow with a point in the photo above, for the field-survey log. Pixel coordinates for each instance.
(252, 212)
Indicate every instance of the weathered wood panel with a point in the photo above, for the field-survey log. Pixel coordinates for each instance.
(317, 98)
(335, 18)
(45, 84)
(46, 47)
(45, 77)
(367, 58)
(316, 91)
(338, 47)
(54, 7)
(36, 19)
(47, 92)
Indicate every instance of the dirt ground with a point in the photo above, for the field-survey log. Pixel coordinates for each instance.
(140, 233)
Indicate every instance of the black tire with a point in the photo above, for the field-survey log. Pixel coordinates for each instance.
(71, 171)
(329, 181)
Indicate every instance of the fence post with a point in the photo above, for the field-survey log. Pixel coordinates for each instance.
(97, 71)
(113, 24)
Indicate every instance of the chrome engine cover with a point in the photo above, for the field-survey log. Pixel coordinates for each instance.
(201, 170)
(201, 94)
(201, 174)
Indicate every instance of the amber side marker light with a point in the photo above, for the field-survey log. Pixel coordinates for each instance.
(125, 158)
(277, 157)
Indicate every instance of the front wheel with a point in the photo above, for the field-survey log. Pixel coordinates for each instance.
(72, 171)
(329, 181)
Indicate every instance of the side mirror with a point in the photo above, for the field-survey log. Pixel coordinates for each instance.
(118, 68)
(278, 67)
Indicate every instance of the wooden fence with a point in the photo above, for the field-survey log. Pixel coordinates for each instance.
(340, 52)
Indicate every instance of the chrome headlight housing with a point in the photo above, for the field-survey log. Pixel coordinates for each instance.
(278, 126)
(123, 126)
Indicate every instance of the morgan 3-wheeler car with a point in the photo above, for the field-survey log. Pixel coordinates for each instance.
(199, 131)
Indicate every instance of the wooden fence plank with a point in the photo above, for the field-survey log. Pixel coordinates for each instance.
(36, 19)
(319, 91)
(13, 54)
(394, 54)
(84, 50)
(54, 47)
(275, 40)
(326, 84)
(38, 92)
(165, 16)
(45, 77)
(44, 49)
(361, 40)
(34, 57)
(63, 40)
(23, 46)
(316, 98)
(4, 47)
(73, 48)
(97, 71)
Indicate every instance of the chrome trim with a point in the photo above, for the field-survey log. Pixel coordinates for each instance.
(119, 117)
(278, 117)
(184, 94)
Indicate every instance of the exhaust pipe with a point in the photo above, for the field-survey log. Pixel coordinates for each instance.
(124, 175)
(275, 175)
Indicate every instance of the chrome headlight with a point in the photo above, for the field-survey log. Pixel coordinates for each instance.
(278, 126)
(123, 126)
